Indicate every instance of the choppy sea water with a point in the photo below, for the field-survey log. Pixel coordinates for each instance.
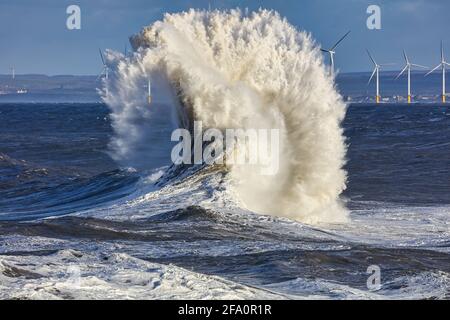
(73, 224)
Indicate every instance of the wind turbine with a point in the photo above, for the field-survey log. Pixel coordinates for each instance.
(376, 72)
(105, 70)
(13, 73)
(408, 67)
(149, 93)
(442, 65)
(332, 51)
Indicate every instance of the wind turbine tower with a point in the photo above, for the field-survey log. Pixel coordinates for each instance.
(442, 65)
(149, 93)
(408, 67)
(376, 72)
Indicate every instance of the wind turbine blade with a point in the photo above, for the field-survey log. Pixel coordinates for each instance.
(406, 57)
(101, 56)
(371, 58)
(100, 74)
(340, 40)
(434, 69)
(323, 50)
(442, 51)
(402, 72)
(446, 63)
(419, 66)
(371, 77)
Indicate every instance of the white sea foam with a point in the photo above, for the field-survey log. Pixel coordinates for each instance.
(70, 274)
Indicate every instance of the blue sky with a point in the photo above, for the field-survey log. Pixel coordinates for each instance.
(34, 37)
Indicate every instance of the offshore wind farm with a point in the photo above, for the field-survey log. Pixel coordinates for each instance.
(407, 69)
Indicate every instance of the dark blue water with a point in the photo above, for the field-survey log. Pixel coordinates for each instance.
(399, 153)
(54, 160)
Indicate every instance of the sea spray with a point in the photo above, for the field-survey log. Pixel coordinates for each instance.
(139, 141)
(252, 72)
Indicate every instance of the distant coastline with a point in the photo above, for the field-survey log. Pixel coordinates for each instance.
(73, 88)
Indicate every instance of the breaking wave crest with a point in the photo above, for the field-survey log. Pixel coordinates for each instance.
(231, 70)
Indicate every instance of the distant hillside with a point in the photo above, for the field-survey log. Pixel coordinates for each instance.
(38, 82)
(37, 87)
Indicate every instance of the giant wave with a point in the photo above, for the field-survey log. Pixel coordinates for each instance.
(233, 70)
